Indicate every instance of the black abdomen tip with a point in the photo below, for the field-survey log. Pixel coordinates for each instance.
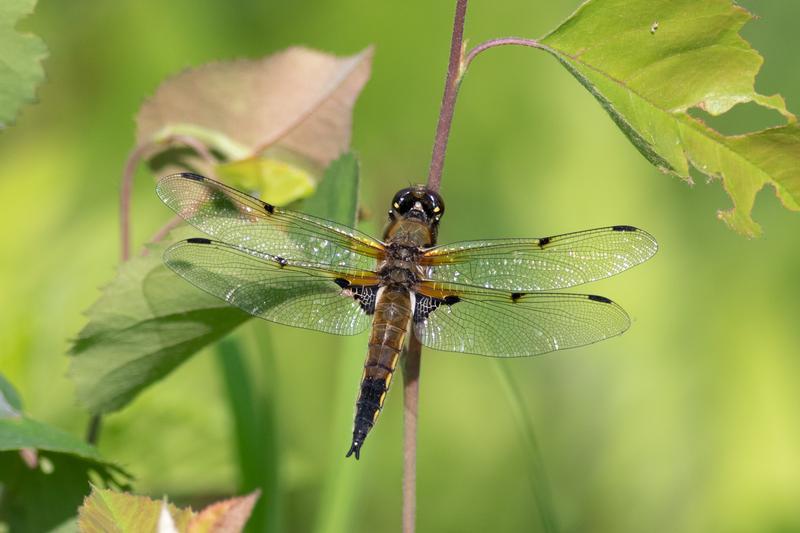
(355, 448)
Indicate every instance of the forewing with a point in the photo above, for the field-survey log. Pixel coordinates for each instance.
(457, 318)
(275, 289)
(233, 217)
(540, 264)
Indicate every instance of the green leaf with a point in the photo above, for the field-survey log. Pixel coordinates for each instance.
(107, 510)
(22, 432)
(10, 402)
(336, 198)
(21, 56)
(280, 181)
(41, 496)
(148, 320)
(648, 62)
(146, 323)
(17, 432)
(44, 472)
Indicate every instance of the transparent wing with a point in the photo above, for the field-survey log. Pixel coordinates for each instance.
(540, 264)
(457, 318)
(273, 288)
(241, 220)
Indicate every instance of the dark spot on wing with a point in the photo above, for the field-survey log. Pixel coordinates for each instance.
(516, 296)
(624, 228)
(269, 208)
(192, 176)
(544, 241)
(365, 295)
(602, 299)
(427, 305)
(281, 261)
(199, 240)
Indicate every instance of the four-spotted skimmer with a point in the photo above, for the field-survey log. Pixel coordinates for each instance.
(482, 297)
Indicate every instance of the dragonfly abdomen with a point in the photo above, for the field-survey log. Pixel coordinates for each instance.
(393, 311)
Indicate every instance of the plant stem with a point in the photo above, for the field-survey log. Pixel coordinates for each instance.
(412, 354)
(93, 429)
(411, 366)
(125, 200)
(454, 70)
(492, 43)
(127, 186)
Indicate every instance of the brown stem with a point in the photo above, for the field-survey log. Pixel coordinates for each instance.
(412, 355)
(125, 200)
(411, 365)
(449, 98)
(504, 41)
(127, 183)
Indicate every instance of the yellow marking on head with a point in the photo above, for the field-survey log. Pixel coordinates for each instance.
(383, 397)
(396, 205)
(436, 209)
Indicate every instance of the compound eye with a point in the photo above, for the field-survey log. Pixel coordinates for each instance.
(403, 201)
(437, 207)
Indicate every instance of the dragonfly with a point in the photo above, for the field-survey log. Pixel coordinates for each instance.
(485, 297)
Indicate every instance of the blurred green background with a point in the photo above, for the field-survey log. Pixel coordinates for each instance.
(689, 422)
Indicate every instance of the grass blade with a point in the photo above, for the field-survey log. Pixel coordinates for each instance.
(255, 422)
(540, 484)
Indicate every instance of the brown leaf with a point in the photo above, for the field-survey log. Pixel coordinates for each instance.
(228, 516)
(298, 100)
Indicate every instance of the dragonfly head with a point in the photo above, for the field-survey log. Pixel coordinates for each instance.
(419, 203)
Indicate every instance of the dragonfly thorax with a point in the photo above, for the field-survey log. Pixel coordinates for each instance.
(397, 276)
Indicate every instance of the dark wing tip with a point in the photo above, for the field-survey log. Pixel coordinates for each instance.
(602, 299)
(191, 176)
(182, 175)
(642, 234)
